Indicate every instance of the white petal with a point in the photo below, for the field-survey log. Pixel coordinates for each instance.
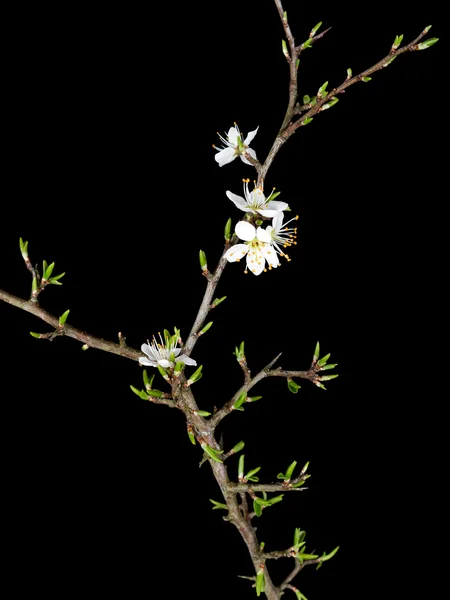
(146, 362)
(225, 156)
(277, 205)
(236, 252)
(250, 136)
(232, 136)
(277, 221)
(145, 348)
(270, 255)
(176, 351)
(255, 261)
(165, 363)
(239, 201)
(245, 231)
(186, 359)
(251, 152)
(268, 213)
(263, 235)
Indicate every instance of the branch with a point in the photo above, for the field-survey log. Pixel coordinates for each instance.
(205, 306)
(238, 488)
(68, 330)
(289, 126)
(228, 407)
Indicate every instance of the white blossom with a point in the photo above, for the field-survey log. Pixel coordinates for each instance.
(281, 235)
(235, 146)
(258, 248)
(256, 202)
(164, 353)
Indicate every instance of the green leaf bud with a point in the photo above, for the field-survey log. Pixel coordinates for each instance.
(427, 43)
(315, 29)
(203, 262)
(239, 446)
(293, 386)
(227, 230)
(205, 328)
(63, 317)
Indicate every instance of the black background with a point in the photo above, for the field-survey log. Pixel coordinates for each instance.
(108, 171)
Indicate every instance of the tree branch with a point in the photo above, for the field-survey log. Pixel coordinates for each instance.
(68, 330)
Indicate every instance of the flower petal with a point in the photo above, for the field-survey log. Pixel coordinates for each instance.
(277, 221)
(239, 202)
(236, 252)
(270, 255)
(277, 205)
(225, 156)
(146, 362)
(245, 231)
(263, 235)
(165, 363)
(250, 136)
(186, 359)
(267, 213)
(251, 152)
(255, 261)
(232, 136)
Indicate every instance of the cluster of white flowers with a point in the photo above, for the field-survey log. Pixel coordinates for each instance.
(261, 245)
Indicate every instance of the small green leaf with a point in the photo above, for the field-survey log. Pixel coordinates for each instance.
(218, 505)
(191, 436)
(241, 467)
(306, 556)
(203, 262)
(307, 121)
(227, 230)
(136, 391)
(250, 474)
(35, 335)
(257, 508)
(55, 278)
(205, 328)
(427, 29)
(328, 377)
(49, 271)
(323, 89)
(253, 398)
(427, 44)
(316, 352)
(328, 105)
(323, 360)
(307, 44)
(298, 484)
(284, 48)
(306, 99)
(217, 301)
(196, 375)
(240, 401)
(349, 73)
(63, 317)
(315, 29)
(155, 393)
(203, 413)
(260, 585)
(290, 469)
(293, 386)
(239, 446)
(23, 248)
(330, 366)
(326, 557)
(366, 79)
(211, 453)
